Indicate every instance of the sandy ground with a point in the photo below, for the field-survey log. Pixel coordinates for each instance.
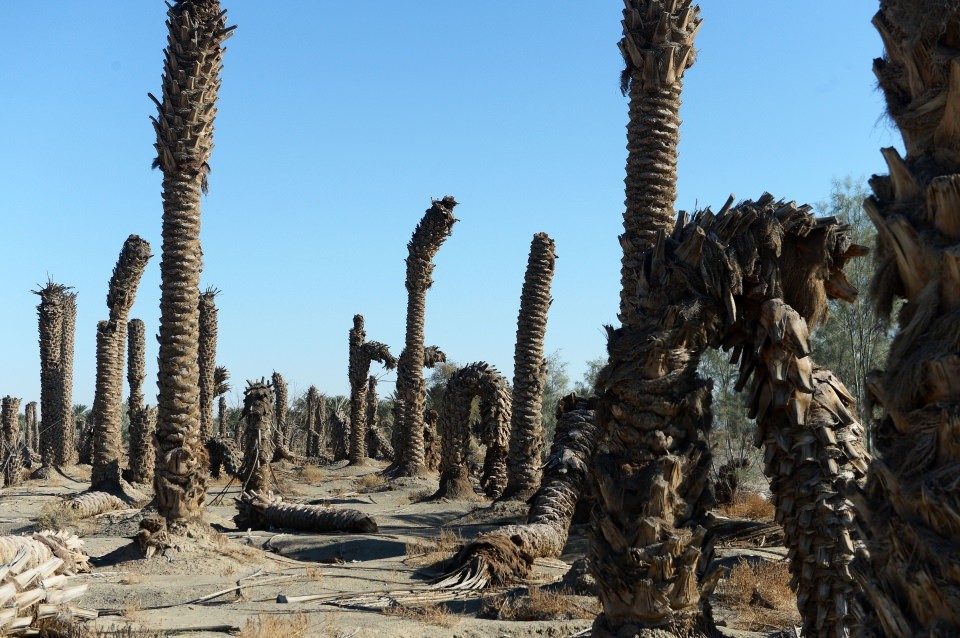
(396, 564)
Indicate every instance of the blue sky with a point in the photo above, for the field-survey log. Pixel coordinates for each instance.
(338, 121)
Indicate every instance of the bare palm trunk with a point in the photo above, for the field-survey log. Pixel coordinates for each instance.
(281, 436)
(208, 359)
(362, 352)
(184, 126)
(310, 409)
(50, 312)
(526, 423)
(370, 409)
(142, 455)
(222, 415)
(29, 423)
(12, 457)
(67, 453)
(258, 435)
(433, 229)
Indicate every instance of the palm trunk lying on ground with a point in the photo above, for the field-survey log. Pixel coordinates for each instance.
(87, 504)
(263, 510)
(506, 554)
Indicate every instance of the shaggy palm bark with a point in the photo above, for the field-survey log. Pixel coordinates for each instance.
(650, 466)
(222, 415)
(50, 313)
(378, 446)
(429, 235)
(225, 453)
(475, 380)
(207, 359)
(362, 352)
(263, 510)
(281, 435)
(142, 455)
(913, 514)
(184, 127)
(67, 453)
(221, 376)
(506, 555)
(12, 458)
(526, 423)
(432, 357)
(32, 431)
(311, 425)
(258, 436)
(111, 345)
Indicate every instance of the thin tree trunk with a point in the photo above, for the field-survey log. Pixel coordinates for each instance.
(370, 410)
(433, 229)
(29, 425)
(526, 422)
(310, 408)
(281, 437)
(67, 452)
(142, 455)
(208, 360)
(12, 456)
(258, 436)
(184, 126)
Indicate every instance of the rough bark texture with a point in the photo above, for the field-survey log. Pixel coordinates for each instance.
(32, 431)
(310, 408)
(142, 455)
(225, 453)
(526, 422)
(281, 433)
(184, 127)
(431, 232)
(12, 456)
(431, 440)
(506, 555)
(111, 346)
(475, 380)
(258, 435)
(911, 576)
(263, 510)
(207, 359)
(222, 415)
(67, 451)
(374, 447)
(50, 313)
(362, 352)
(87, 504)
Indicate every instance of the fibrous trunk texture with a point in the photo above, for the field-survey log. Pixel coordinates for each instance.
(111, 347)
(431, 441)
(370, 410)
(281, 433)
(50, 310)
(362, 352)
(506, 555)
(142, 456)
(310, 408)
(526, 422)
(263, 510)
(68, 453)
(258, 435)
(474, 380)
(12, 456)
(225, 453)
(207, 361)
(87, 504)
(31, 427)
(222, 415)
(184, 127)
(912, 511)
(429, 235)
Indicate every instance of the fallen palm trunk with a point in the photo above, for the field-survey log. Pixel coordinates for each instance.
(89, 504)
(507, 554)
(259, 510)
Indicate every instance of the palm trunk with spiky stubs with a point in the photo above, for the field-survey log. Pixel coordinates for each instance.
(184, 127)
(362, 352)
(142, 455)
(311, 425)
(12, 458)
(222, 415)
(208, 359)
(506, 555)
(111, 346)
(68, 454)
(258, 435)
(913, 517)
(377, 443)
(281, 436)
(29, 423)
(433, 229)
(526, 424)
(475, 380)
(50, 311)
(432, 357)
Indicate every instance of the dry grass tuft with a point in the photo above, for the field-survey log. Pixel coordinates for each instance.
(761, 595)
(131, 608)
(272, 626)
(57, 515)
(310, 474)
(372, 483)
(442, 547)
(540, 605)
(750, 505)
(430, 614)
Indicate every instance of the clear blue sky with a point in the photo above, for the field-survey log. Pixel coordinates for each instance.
(338, 121)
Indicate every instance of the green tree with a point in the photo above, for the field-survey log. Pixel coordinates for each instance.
(556, 386)
(584, 387)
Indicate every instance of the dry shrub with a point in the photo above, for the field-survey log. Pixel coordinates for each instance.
(443, 547)
(750, 505)
(430, 614)
(760, 593)
(372, 483)
(57, 515)
(310, 474)
(131, 608)
(314, 573)
(538, 605)
(272, 626)
(61, 628)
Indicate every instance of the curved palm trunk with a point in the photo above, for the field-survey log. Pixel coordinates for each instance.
(111, 346)
(50, 313)
(526, 422)
(913, 516)
(258, 436)
(184, 126)
(207, 361)
(362, 352)
(142, 455)
(429, 235)
(67, 451)
(12, 457)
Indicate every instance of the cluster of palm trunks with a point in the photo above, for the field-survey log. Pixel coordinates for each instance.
(873, 542)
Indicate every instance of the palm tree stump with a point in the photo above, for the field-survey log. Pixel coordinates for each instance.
(258, 435)
(12, 456)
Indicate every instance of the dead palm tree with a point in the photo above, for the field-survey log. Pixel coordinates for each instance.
(142, 456)
(912, 580)
(111, 347)
(68, 452)
(207, 359)
(12, 457)
(313, 427)
(221, 376)
(184, 127)
(31, 438)
(429, 235)
(526, 422)
(258, 435)
(362, 352)
(281, 435)
(432, 357)
(53, 435)
(377, 444)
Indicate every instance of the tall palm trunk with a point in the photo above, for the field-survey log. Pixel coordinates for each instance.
(142, 456)
(913, 513)
(281, 435)
(53, 432)
(221, 376)
(310, 408)
(650, 465)
(362, 352)
(222, 415)
(30, 426)
(11, 457)
(374, 447)
(258, 435)
(111, 346)
(208, 359)
(184, 127)
(526, 422)
(429, 235)
(67, 453)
